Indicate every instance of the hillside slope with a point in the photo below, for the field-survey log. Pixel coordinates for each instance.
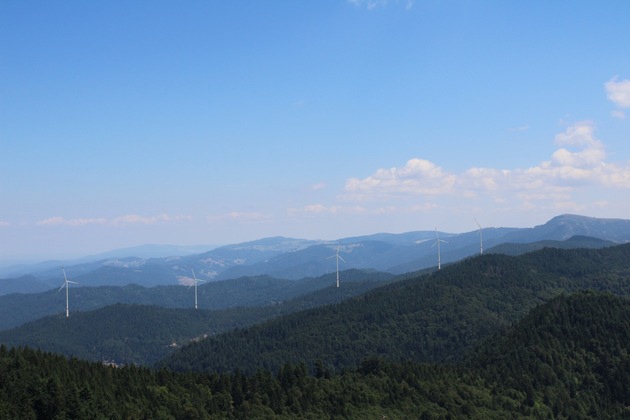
(139, 334)
(567, 359)
(572, 353)
(431, 318)
(16, 309)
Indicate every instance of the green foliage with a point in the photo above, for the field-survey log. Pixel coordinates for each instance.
(40, 385)
(430, 318)
(17, 309)
(568, 357)
(135, 334)
(573, 353)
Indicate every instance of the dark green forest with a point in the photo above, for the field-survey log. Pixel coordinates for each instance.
(17, 309)
(432, 318)
(144, 334)
(541, 335)
(569, 358)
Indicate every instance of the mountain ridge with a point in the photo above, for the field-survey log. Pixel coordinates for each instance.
(292, 259)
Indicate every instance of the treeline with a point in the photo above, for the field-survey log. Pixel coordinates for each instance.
(569, 358)
(430, 318)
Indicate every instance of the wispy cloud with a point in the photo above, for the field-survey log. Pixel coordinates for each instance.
(134, 219)
(4, 224)
(318, 186)
(319, 209)
(239, 216)
(129, 219)
(520, 128)
(618, 92)
(579, 161)
(58, 220)
(373, 4)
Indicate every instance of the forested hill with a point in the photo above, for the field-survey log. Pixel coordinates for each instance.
(431, 318)
(17, 309)
(569, 358)
(574, 351)
(142, 334)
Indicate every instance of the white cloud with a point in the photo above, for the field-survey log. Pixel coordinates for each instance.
(58, 220)
(417, 177)
(579, 161)
(618, 92)
(122, 220)
(4, 224)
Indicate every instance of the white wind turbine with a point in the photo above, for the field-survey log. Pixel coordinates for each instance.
(480, 237)
(65, 284)
(438, 247)
(195, 281)
(338, 257)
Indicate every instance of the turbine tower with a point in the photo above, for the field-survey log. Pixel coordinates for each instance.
(438, 247)
(195, 281)
(480, 237)
(338, 257)
(65, 284)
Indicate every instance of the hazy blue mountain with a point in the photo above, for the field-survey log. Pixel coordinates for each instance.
(290, 258)
(141, 251)
(565, 226)
(510, 248)
(23, 284)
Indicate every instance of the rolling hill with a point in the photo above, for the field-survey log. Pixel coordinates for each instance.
(429, 318)
(16, 309)
(143, 334)
(567, 358)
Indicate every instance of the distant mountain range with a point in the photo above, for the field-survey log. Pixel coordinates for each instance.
(292, 259)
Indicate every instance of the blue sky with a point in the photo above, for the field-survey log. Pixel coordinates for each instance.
(216, 122)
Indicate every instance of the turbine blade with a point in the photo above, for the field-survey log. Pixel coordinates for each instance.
(339, 256)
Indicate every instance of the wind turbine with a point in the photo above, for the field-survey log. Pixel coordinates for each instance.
(438, 247)
(480, 237)
(195, 280)
(338, 257)
(65, 284)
